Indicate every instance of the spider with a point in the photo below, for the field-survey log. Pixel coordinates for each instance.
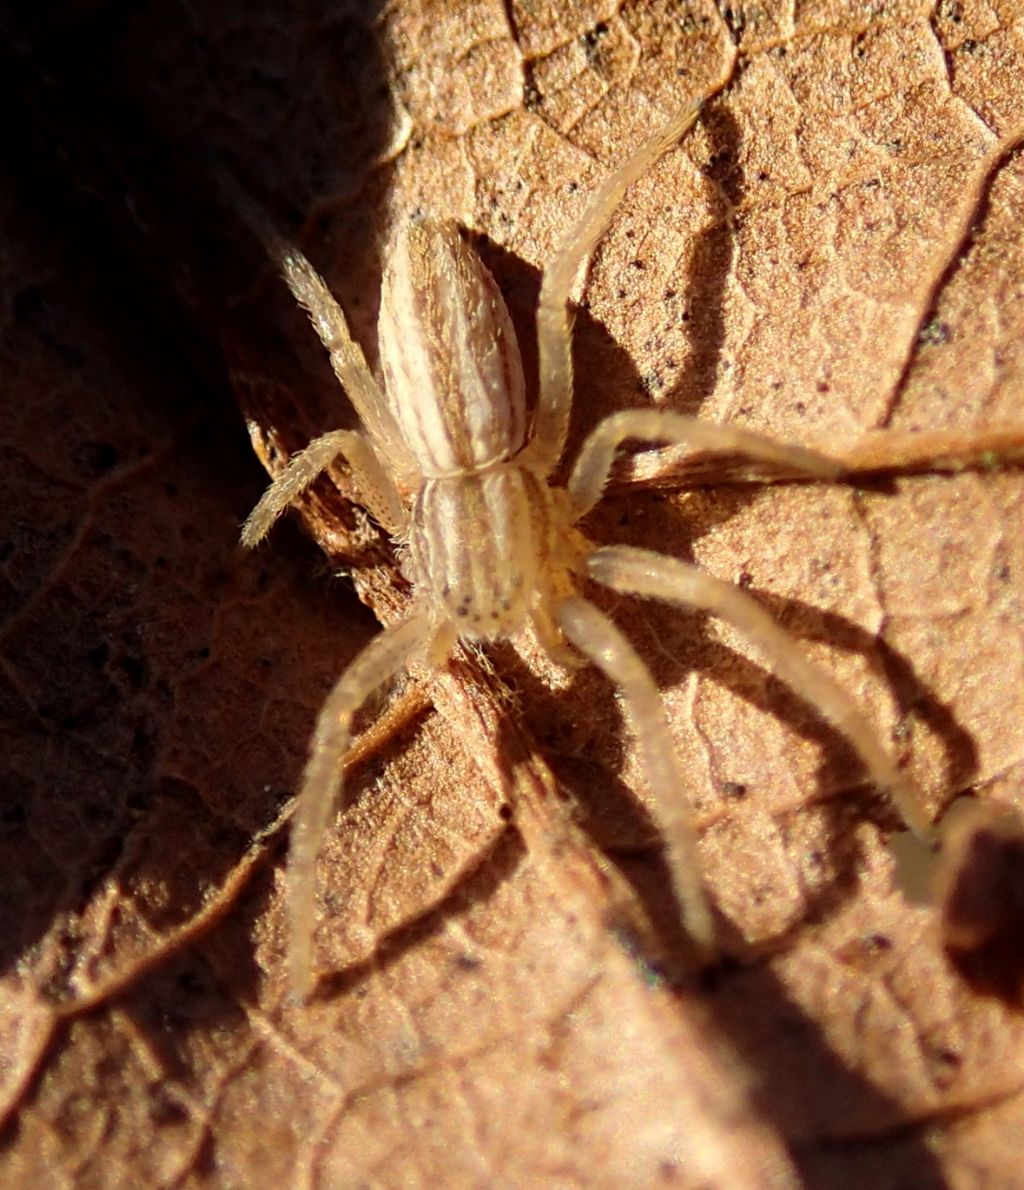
(450, 465)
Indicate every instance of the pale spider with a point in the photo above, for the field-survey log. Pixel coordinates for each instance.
(448, 464)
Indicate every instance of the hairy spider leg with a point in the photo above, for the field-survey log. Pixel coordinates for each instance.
(597, 638)
(594, 463)
(375, 485)
(384, 657)
(670, 580)
(554, 317)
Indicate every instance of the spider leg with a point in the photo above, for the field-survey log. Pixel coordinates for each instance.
(375, 486)
(654, 576)
(599, 639)
(554, 322)
(905, 452)
(329, 322)
(597, 455)
(377, 664)
(347, 359)
(551, 639)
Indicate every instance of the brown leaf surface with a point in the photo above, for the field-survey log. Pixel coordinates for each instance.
(835, 250)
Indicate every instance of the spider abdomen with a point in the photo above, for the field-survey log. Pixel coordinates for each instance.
(449, 353)
(476, 543)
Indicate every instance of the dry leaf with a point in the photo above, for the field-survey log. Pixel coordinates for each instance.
(835, 250)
